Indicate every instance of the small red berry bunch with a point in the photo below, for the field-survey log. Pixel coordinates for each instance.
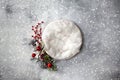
(39, 53)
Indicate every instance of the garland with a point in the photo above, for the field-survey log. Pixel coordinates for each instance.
(39, 54)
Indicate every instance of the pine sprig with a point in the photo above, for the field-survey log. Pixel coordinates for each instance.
(39, 54)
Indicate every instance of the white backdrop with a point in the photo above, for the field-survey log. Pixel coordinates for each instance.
(99, 21)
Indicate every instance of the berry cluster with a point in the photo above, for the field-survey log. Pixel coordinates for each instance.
(39, 53)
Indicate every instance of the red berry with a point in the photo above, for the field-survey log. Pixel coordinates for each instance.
(36, 26)
(35, 32)
(38, 48)
(41, 56)
(33, 55)
(49, 65)
(38, 42)
(40, 29)
(35, 37)
(38, 23)
(41, 38)
(38, 35)
(42, 21)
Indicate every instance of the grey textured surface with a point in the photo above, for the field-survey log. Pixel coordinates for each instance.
(99, 21)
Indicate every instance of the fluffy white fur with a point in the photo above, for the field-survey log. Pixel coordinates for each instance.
(62, 39)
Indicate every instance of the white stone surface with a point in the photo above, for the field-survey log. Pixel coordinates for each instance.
(99, 21)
